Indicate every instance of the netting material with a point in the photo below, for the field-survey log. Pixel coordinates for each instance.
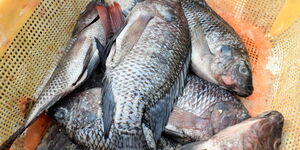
(32, 56)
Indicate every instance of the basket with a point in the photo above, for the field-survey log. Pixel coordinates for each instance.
(33, 34)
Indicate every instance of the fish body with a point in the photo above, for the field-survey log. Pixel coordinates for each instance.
(146, 71)
(218, 53)
(260, 133)
(55, 139)
(125, 5)
(203, 110)
(75, 67)
(80, 116)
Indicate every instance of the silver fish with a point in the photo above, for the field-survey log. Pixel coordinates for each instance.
(146, 71)
(77, 65)
(80, 115)
(260, 133)
(218, 53)
(55, 139)
(203, 110)
(125, 5)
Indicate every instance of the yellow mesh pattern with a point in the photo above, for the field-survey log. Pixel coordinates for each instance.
(33, 54)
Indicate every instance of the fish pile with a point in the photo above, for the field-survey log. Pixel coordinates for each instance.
(152, 74)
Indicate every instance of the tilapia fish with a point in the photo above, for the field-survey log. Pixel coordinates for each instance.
(146, 71)
(218, 53)
(260, 133)
(80, 115)
(203, 110)
(75, 67)
(79, 119)
(55, 139)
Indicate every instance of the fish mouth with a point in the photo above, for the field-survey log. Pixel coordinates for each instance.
(237, 78)
(240, 88)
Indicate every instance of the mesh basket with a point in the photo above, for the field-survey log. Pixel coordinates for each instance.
(269, 28)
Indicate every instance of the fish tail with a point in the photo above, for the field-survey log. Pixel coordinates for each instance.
(7, 144)
(111, 17)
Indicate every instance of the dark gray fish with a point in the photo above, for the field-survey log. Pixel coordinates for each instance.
(166, 143)
(76, 66)
(218, 53)
(80, 116)
(126, 5)
(260, 133)
(203, 110)
(146, 71)
(55, 139)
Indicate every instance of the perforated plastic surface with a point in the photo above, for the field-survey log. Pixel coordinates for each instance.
(33, 54)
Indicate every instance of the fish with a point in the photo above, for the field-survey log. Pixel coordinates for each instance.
(80, 116)
(218, 53)
(55, 139)
(166, 143)
(203, 110)
(145, 73)
(79, 122)
(259, 133)
(82, 57)
(125, 5)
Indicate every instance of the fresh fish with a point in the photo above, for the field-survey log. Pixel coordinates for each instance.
(125, 5)
(55, 139)
(260, 133)
(166, 143)
(218, 53)
(146, 71)
(80, 116)
(76, 66)
(203, 110)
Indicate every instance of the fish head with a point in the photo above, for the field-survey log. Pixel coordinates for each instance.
(226, 114)
(81, 108)
(266, 130)
(231, 68)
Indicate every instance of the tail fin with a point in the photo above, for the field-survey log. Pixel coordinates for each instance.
(111, 17)
(7, 144)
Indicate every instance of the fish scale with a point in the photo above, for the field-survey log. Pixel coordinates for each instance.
(208, 95)
(218, 53)
(202, 111)
(159, 56)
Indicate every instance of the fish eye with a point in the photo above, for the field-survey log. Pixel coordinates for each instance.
(226, 49)
(243, 70)
(60, 114)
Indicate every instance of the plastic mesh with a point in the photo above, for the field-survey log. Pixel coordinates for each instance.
(31, 57)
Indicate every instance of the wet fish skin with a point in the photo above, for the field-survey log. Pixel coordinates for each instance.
(126, 5)
(55, 139)
(87, 17)
(145, 74)
(166, 143)
(80, 60)
(80, 116)
(218, 53)
(203, 110)
(259, 133)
